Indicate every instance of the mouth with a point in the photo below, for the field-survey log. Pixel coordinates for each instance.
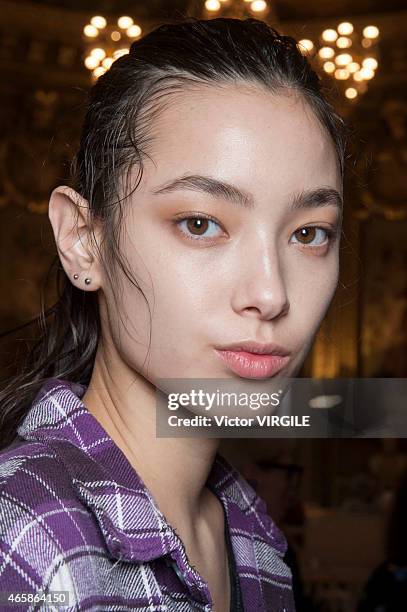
(254, 360)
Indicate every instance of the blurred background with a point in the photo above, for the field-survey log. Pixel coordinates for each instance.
(336, 500)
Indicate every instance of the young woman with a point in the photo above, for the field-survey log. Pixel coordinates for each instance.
(202, 231)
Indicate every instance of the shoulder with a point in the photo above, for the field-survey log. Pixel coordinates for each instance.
(35, 505)
(30, 472)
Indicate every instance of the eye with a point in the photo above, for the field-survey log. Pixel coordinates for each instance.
(313, 235)
(198, 225)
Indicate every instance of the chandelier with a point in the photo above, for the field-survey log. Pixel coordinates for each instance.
(351, 58)
(236, 8)
(106, 42)
(342, 53)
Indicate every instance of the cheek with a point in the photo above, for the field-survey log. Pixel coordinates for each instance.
(177, 293)
(183, 282)
(313, 288)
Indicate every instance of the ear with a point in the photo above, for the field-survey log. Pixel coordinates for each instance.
(69, 215)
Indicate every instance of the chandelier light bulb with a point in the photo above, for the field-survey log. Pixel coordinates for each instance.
(98, 53)
(91, 62)
(367, 73)
(115, 35)
(358, 76)
(326, 52)
(370, 63)
(342, 74)
(90, 31)
(371, 32)
(306, 44)
(329, 35)
(343, 59)
(98, 71)
(98, 22)
(329, 67)
(351, 93)
(119, 52)
(353, 67)
(345, 28)
(258, 6)
(125, 22)
(107, 62)
(133, 31)
(343, 42)
(212, 5)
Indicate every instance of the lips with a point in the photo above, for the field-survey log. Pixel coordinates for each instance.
(259, 348)
(249, 364)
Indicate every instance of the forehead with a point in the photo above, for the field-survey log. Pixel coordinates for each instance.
(246, 135)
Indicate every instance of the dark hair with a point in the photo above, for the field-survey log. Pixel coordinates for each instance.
(116, 133)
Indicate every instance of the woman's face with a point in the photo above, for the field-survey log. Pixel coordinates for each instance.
(249, 271)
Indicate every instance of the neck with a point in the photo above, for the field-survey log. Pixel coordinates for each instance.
(174, 470)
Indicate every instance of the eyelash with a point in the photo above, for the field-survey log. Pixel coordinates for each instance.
(177, 221)
(331, 233)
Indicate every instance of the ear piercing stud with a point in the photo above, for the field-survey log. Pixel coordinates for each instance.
(87, 280)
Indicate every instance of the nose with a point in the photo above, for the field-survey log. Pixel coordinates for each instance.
(261, 289)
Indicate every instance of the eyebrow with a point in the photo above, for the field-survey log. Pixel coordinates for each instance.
(310, 198)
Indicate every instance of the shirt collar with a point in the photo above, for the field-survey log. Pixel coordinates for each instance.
(133, 526)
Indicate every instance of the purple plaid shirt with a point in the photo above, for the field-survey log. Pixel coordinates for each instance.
(76, 517)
